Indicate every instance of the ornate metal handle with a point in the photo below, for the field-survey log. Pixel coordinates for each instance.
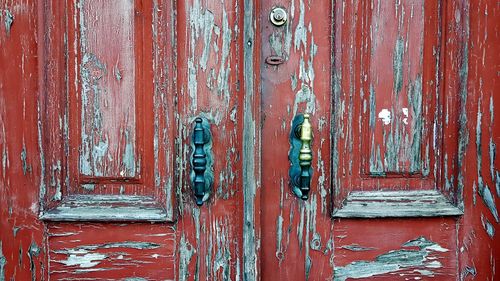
(301, 156)
(201, 161)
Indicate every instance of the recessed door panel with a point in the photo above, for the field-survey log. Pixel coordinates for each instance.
(111, 149)
(107, 89)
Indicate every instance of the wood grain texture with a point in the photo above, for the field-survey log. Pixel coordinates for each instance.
(391, 111)
(107, 88)
(23, 256)
(478, 242)
(114, 129)
(210, 84)
(297, 235)
(387, 204)
(395, 249)
(111, 251)
(397, 111)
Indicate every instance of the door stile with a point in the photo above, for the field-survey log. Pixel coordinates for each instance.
(210, 81)
(251, 142)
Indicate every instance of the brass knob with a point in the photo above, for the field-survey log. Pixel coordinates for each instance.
(305, 157)
(300, 156)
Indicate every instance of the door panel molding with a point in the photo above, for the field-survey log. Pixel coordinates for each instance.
(396, 123)
(119, 166)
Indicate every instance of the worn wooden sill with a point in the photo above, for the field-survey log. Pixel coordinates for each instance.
(405, 203)
(106, 208)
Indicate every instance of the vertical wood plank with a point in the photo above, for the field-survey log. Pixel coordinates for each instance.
(210, 84)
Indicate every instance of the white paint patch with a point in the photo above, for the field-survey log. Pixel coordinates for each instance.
(34, 207)
(437, 248)
(433, 264)
(424, 273)
(405, 113)
(84, 261)
(385, 116)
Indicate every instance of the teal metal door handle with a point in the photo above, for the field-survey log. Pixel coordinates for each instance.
(201, 161)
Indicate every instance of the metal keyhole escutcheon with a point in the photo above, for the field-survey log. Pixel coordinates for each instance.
(278, 16)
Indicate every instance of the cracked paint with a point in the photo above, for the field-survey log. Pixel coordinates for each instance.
(419, 261)
(8, 21)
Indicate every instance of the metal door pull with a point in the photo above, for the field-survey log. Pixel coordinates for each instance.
(201, 161)
(300, 156)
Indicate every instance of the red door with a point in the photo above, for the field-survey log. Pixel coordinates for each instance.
(168, 140)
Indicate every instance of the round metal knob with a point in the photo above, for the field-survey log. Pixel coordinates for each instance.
(278, 16)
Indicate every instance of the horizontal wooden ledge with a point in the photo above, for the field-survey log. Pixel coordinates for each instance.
(398, 204)
(106, 208)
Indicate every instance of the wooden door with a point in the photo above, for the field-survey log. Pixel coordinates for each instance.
(383, 83)
(120, 84)
(98, 104)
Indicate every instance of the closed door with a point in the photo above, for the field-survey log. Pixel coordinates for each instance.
(124, 85)
(242, 140)
(383, 200)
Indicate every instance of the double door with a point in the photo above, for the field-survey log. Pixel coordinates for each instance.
(244, 140)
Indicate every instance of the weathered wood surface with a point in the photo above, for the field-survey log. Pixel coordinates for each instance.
(210, 83)
(387, 204)
(111, 251)
(107, 208)
(105, 118)
(412, 60)
(253, 226)
(395, 107)
(297, 236)
(389, 249)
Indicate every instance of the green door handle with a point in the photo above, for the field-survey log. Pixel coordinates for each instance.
(201, 160)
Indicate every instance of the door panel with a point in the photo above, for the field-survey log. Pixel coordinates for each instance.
(111, 251)
(107, 76)
(395, 126)
(106, 119)
(387, 249)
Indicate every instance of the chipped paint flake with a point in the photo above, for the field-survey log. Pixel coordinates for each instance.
(186, 252)
(300, 31)
(397, 64)
(33, 251)
(357, 248)
(420, 261)
(8, 21)
(485, 193)
(83, 259)
(385, 116)
(488, 227)
(3, 262)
